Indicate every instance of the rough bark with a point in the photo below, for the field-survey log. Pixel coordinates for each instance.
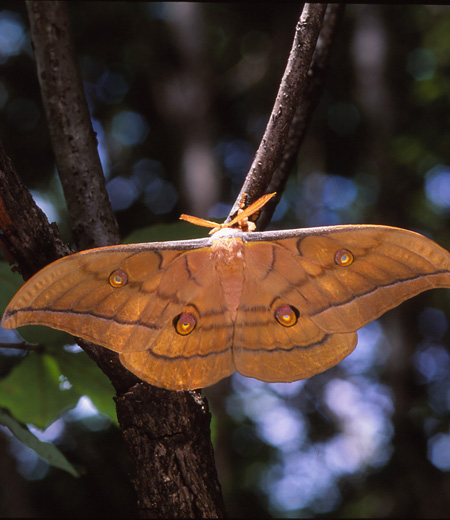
(270, 152)
(27, 239)
(170, 430)
(309, 97)
(162, 429)
(73, 138)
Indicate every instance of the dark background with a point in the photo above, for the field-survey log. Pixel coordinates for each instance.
(180, 95)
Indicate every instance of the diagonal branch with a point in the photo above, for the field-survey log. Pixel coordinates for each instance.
(270, 151)
(73, 139)
(309, 98)
(27, 238)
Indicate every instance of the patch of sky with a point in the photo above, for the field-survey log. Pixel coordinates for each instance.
(431, 362)
(122, 192)
(300, 479)
(369, 352)
(338, 192)
(13, 37)
(159, 195)
(50, 434)
(29, 464)
(157, 10)
(306, 474)
(236, 156)
(439, 451)
(281, 210)
(146, 180)
(363, 411)
(102, 147)
(439, 396)
(73, 349)
(46, 205)
(288, 389)
(282, 427)
(325, 198)
(433, 323)
(86, 412)
(129, 128)
(10, 336)
(146, 170)
(219, 211)
(437, 186)
(111, 87)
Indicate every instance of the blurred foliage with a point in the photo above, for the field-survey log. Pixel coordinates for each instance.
(45, 450)
(368, 438)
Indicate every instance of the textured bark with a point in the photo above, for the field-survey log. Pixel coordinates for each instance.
(307, 103)
(171, 431)
(27, 238)
(270, 151)
(167, 433)
(73, 139)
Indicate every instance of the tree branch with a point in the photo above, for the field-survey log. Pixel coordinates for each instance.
(309, 98)
(27, 237)
(292, 88)
(167, 433)
(175, 434)
(73, 139)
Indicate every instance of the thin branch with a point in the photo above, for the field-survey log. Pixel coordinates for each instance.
(73, 139)
(22, 346)
(308, 101)
(270, 152)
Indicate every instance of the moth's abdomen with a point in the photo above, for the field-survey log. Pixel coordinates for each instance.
(228, 258)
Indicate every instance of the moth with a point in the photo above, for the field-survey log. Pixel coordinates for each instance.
(277, 305)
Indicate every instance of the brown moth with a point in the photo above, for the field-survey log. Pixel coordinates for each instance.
(277, 305)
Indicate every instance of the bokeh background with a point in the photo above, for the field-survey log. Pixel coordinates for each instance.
(180, 95)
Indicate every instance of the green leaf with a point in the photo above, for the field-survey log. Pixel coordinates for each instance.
(45, 450)
(87, 379)
(34, 390)
(41, 335)
(43, 386)
(10, 283)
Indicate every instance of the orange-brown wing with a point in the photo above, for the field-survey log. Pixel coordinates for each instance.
(333, 281)
(135, 312)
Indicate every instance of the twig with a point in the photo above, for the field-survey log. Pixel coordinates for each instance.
(270, 152)
(308, 101)
(22, 346)
(73, 139)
